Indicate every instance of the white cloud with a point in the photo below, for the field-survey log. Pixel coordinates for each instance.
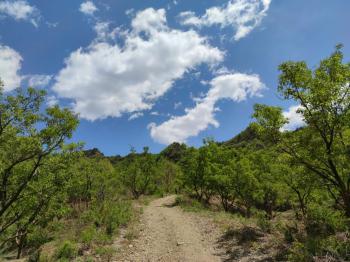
(107, 80)
(104, 34)
(135, 115)
(10, 64)
(88, 8)
(102, 30)
(242, 15)
(294, 118)
(39, 80)
(150, 21)
(20, 10)
(236, 87)
(51, 101)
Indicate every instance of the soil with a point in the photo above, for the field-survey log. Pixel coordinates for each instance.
(169, 234)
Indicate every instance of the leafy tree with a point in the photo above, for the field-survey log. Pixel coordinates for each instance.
(139, 172)
(322, 146)
(169, 175)
(301, 182)
(188, 165)
(30, 142)
(223, 177)
(174, 152)
(198, 170)
(92, 181)
(245, 184)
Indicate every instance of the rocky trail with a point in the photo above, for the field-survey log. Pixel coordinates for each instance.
(169, 234)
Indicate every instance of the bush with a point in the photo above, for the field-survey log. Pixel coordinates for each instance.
(338, 246)
(37, 238)
(299, 253)
(188, 204)
(116, 214)
(263, 223)
(106, 253)
(67, 250)
(35, 256)
(323, 221)
(289, 233)
(178, 200)
(88, 235)
(102, 238)
(89, 216)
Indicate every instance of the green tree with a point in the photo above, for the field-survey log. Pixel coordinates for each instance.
(169, 175)
(323, 145)
(199, 168)
(222, 166)
(139, 172)
(301, 182)
(30, 141)
(245, 184)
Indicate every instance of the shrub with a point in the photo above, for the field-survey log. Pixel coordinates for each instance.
(106, 253)
(189, 204)
(178, 200)
(88, 235)
(299, 253)
(35, 256)
(89, 216)
(338, 246)
(289, 233)
(116, 214)
(102, 238)
(38, 237)
(67, 250)
(263, 223)
(323, 221)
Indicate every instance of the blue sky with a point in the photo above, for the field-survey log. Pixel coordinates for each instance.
(154, 71)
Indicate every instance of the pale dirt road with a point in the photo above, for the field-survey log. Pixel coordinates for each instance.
(169, 234)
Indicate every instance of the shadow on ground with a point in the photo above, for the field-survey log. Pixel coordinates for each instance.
(243, 244)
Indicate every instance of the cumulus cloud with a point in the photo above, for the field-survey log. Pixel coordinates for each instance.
(294, 118)
(10, 65)
(242, 15)
(107, 80)
(20, 10)
(39, 80)
(88, 8)
(236, 87)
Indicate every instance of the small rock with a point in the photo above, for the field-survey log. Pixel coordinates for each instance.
(131, 246)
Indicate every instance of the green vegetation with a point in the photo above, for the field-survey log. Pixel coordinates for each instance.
(266, 171)
(58, 202)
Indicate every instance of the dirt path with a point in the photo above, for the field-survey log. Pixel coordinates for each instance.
(169, 234)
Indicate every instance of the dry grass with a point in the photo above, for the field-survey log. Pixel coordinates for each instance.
(242, 238)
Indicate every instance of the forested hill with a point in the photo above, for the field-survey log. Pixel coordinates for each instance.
(175, 151)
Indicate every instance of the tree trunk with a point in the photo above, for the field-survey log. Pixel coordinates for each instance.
(248, 213)
(20, 243)
(346, 200)
(302, 204)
